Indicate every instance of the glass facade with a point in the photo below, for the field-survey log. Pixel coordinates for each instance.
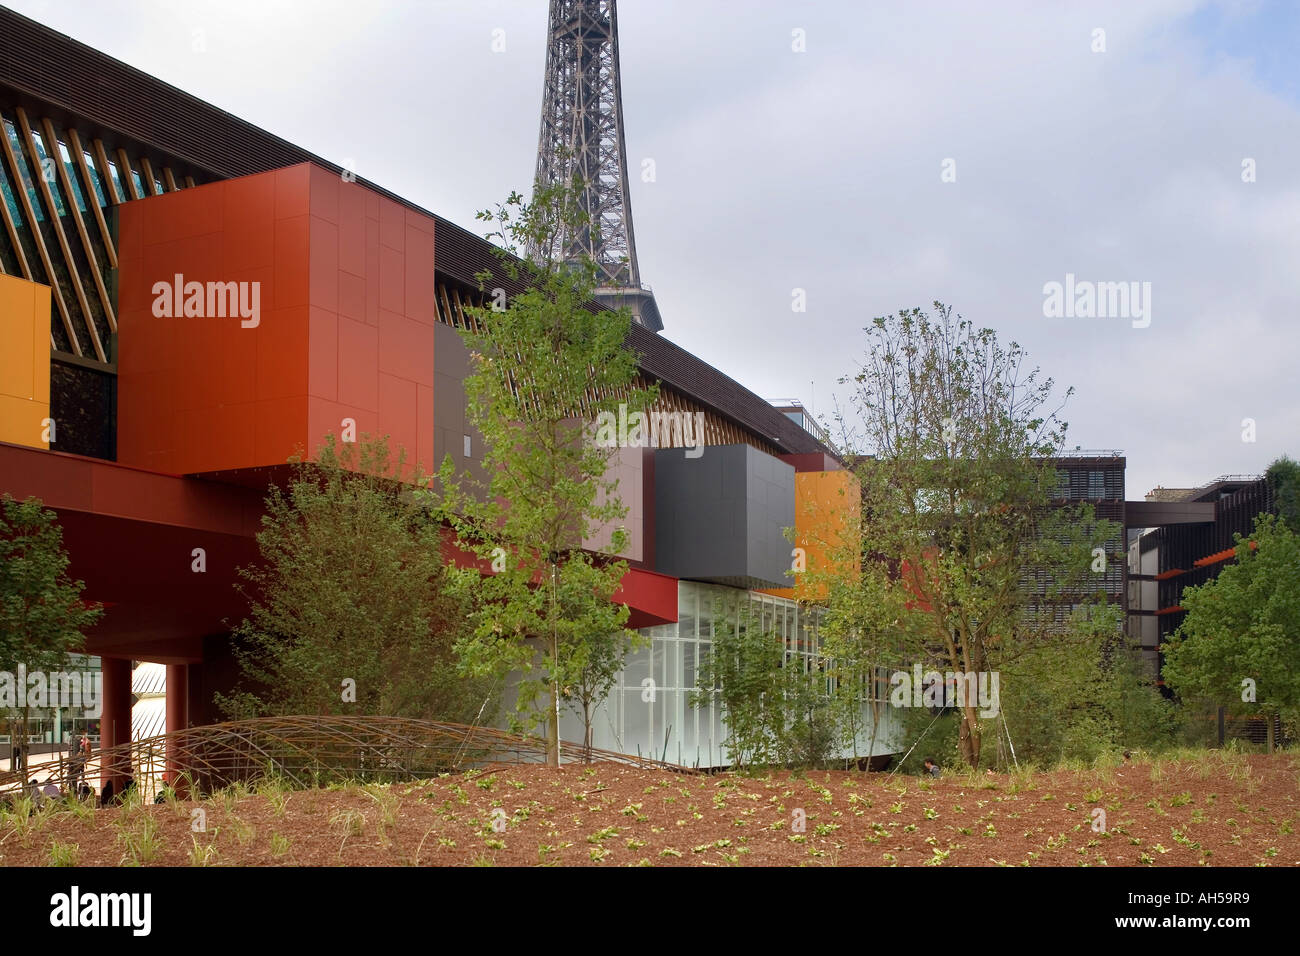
(663, 724)
(57, 726)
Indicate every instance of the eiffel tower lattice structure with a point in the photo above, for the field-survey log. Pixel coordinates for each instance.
(582, 138)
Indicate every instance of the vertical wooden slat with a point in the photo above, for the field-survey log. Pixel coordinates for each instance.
(25, 202)
(12, 228)
(56, 221)
(70, 195)
(79, 157)
(128, 176)
(106, 173)
(169, 180)
(447, 317)
(189, 182)
(460, 310)
(146, 173)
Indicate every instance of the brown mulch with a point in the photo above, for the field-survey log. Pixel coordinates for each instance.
(1241, 812)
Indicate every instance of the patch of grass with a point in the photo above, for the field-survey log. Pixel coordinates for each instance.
(22, 817)
(142, 844)
(244, 831)
(350, 822)
(202, 854)
(275, 792)
(64, 854)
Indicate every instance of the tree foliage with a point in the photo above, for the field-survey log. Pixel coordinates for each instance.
(1239, 644)
(545, 365)
(961, 560)
(42, 615)
(776, 706)
(1284, 477)
(351, 587)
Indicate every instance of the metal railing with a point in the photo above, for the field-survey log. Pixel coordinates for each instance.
(306, 751)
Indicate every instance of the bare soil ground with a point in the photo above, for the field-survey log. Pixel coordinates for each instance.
(1218, 809)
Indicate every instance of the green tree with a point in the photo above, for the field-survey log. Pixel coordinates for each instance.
(1080, 694)
(598, 662)
(1239, 644)
(546, 365)
(42, 615)
(742, 674)
(352, 610)
(960, 561)
(1284, 477)
(776, 706)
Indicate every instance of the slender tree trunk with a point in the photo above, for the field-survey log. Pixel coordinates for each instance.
(875, 722)
(27, 759)
(553, 723)
(969, 737)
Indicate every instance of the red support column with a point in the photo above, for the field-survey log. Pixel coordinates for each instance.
(178, 712)
(115, 721)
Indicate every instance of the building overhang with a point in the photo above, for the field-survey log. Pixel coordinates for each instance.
(158, 551)
(1155, 514)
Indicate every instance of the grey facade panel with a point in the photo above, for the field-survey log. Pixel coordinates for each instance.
(722, 517)
(451, 365)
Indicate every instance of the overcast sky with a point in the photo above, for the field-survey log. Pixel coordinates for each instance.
(823, 170)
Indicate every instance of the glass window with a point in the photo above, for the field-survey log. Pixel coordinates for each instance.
(10, 199)
(24, 174)
(637, 668)
(118, 186)
(95, 180)
(686, 619)
(1096, 484)
(689, 651)
(49, 173)
(71, 169)
(659, 662)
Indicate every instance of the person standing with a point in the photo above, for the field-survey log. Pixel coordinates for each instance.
(76, 765)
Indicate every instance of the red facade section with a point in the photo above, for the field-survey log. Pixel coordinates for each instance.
(334, 328)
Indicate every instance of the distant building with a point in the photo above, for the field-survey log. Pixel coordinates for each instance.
(1094, 477)
(1188, 541)
(794, 410)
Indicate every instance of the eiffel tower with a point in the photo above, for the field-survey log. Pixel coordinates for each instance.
(582, 136)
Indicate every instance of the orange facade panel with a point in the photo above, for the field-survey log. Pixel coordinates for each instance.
(260, 314)
(827, 507)
(25, 363)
